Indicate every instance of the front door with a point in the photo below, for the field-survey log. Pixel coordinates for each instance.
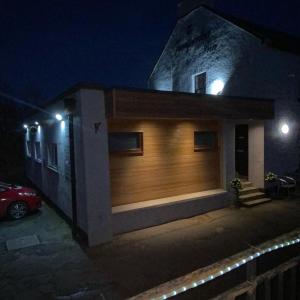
(241, 151)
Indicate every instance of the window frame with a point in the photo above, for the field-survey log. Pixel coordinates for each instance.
(196, 76)
(28, 149)
(38, 159)
(198, 148)
(50, 163)
(134, 151)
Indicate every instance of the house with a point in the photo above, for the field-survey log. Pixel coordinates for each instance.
(211, 53)
(116, 160)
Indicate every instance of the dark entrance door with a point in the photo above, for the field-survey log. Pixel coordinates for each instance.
(241, 150)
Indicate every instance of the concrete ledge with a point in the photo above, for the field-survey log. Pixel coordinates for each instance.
(145, 214)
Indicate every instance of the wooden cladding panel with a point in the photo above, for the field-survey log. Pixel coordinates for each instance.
(169, 165)
(122, 104)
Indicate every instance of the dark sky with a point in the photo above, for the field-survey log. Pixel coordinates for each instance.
(49, 45)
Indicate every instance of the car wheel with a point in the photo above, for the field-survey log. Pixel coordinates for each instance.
(17, 210)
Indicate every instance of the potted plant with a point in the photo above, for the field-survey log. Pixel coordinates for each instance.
(236, 185)
(271, 184)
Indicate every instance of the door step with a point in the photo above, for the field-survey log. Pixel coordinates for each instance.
(256, 202)
(249, 190)
(252, 196)
(246, 184)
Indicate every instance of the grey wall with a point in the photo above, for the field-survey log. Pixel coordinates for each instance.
(55, 184)
(91, 163)
(204, 42)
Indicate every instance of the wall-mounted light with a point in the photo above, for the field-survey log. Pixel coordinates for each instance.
(25, 126)
(217, 87)
(36, 123)
(285, 128)
(58, 117)
(62, 125)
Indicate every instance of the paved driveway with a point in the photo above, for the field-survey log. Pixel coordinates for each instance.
(133, 262)
(56, 267)
(144, 259)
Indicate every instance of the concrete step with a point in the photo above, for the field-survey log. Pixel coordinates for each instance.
(252, 196)
(256, 202)
(249, 190)
(246, 184)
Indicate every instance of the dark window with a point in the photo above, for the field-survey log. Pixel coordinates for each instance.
(37, 151)
(200, 83)
(126, 142)
(204, 140)
(52, 155)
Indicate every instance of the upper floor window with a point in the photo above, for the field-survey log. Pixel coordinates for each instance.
(28, 148)
(52, 155)
(37, 151)
(200, 83)
(126, 143)
(205, 140)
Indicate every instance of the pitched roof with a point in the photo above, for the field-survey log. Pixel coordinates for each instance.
(270, 37)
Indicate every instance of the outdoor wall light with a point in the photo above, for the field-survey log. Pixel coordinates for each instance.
(217, 87)
(62, 125)
(36, 123)
(25, 126)
(285, 128)
(58, 117)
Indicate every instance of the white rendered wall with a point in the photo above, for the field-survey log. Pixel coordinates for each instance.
(92, 166)
(256, 154)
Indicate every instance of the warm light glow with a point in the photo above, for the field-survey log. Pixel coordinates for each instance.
(25, 126)
(58, 117)
(36, 123)
(217, 87)
(285, 128)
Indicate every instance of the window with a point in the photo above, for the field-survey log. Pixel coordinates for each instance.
(52, 155)
(37, 151)
(28, 148)
(200, 83)
(205, 140)
(126, 143)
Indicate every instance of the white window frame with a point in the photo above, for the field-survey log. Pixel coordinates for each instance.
(195, 77)
(52, 156)
(28, 148)
(36, 156)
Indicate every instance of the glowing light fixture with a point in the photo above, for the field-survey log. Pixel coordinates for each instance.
(285, 128)
(62, 125)
(36, 123)
(217, 87)
(25, 126)
(58, 117)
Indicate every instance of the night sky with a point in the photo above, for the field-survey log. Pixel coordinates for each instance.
(46, 46)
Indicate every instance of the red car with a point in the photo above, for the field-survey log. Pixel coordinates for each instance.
(17, 201)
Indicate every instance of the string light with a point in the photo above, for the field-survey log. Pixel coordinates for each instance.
(230, 268)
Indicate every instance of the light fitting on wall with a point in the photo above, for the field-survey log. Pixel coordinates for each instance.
(58, 117)
(217, 87)
(36, 123)
(285, 128)
(25, 126)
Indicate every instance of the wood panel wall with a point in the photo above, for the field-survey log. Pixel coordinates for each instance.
(169, 165)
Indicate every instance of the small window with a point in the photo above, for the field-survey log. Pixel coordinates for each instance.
(52, 155)
(28, 148)
(37, 151)
(205, 140)
(126, 143)
(200, 83)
